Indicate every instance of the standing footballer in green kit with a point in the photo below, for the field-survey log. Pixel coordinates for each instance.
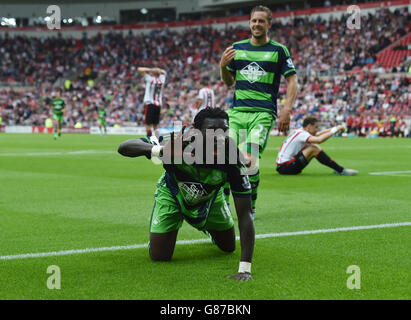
(193, 192)
(255, 66)
(102, 124)
(58, 113)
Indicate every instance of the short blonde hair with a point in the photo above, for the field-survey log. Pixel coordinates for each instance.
(262, 8)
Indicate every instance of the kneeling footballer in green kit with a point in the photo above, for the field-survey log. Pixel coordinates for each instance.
(194, 191)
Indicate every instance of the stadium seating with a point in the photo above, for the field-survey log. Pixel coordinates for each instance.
(394, 55)
(103, 68)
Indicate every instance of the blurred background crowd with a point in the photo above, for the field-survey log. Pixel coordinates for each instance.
(339, 79)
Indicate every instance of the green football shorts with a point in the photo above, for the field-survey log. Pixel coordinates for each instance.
(102, 121)
(59, 118)
(248, 128)
(166, 214)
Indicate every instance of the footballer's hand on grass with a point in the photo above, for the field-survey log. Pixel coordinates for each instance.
(241, 276)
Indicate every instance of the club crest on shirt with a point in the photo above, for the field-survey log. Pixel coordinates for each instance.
(253, 72)
(192, 191)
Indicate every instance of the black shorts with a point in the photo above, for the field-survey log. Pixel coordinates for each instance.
(294, 166)
(151, 114)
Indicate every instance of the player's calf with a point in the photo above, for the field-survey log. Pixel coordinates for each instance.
(311, 151)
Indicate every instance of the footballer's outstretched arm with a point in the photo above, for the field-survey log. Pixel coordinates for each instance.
(247, 235)
(325, 135)
(135, 148)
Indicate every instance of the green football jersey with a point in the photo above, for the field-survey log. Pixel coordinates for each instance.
(101, 113)
(58, 106)
(195, 187)
(257, 70)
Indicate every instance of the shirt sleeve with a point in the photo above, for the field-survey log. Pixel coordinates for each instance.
(201, 94)
(239, 182)
(287, 66)
(231, 66)
(304, 136)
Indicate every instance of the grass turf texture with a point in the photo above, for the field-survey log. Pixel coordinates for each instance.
(77, 193)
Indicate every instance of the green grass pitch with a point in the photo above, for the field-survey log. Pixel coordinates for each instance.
(78, 193)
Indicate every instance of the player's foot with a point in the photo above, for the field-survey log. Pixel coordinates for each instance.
(154, 140)
(347, 172)
(253, 214)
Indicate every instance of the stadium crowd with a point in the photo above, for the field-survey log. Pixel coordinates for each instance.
(103, 69)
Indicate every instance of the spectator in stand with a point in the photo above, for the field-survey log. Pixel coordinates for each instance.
(350, 122)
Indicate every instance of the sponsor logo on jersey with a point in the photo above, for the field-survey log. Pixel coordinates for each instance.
(253, 72)
(246, 183)
(290, 63)
(193, 191)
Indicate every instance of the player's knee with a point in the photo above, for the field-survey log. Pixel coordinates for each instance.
(160, 256)
(315, 149)
(227, 247)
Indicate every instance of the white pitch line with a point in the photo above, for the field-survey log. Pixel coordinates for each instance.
(194, 241)
(389, 172)
(299, 233)
(405, 173)
(56, 153)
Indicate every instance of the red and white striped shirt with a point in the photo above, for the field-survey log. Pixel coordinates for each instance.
(154, 89)
(295, 141)
(207, 96)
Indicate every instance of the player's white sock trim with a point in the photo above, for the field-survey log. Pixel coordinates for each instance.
(244, 267)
